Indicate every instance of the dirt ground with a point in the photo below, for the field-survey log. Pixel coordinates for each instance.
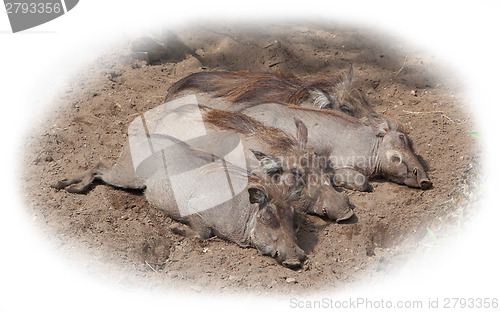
(117, 236)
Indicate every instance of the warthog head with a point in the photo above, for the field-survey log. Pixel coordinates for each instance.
(308, 176)
(273, 225)
(398, 163)
(341, 94)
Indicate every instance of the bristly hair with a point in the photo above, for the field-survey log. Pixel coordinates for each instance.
(262, 88)
(243, 124)
(279, 87)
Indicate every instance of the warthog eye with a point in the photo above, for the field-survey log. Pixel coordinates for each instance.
(346, 109)
(415, 171)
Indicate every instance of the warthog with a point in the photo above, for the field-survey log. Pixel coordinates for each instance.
(261, 216)
(246, 92)
(321, 91)
(358, 150)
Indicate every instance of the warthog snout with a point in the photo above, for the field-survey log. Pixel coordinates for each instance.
(291, 261)
(333, 204)
(425, 184)
(348, 214)
(418, 179)
(423, 181)
(400, 163)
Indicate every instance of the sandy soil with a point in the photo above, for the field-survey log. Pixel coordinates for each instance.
(117, 236)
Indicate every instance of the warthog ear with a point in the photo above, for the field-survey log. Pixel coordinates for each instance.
(399, 128)
(257, 195)
(342, 89)
(349, 77)
(270, 164)
(345, 85)
(302, 133)
(394, 156)
(378, 124)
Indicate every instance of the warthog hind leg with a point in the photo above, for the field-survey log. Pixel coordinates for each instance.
(114, 177)
(81, 183)
(121, 175)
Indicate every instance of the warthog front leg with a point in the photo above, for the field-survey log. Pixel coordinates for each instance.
(197, 228)
(350, 179)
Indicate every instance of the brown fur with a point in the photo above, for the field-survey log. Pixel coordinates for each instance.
(279, 87)
(241, 86)
(243, 124)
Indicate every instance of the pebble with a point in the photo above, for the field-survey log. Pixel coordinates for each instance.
(291, 280)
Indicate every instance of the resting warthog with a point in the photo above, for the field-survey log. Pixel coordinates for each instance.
(240, 91)
(321, 91)
(262, 215)
(357, 150)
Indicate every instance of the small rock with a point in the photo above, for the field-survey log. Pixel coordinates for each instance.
(413, 92)
(291, 280)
